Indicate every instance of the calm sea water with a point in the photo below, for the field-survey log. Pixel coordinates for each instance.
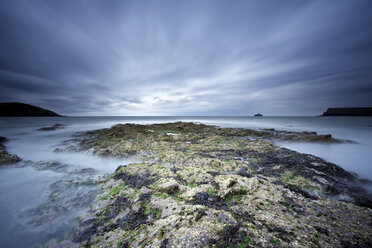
(23, 189)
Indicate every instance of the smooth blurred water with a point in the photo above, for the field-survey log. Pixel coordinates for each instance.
(23, 188)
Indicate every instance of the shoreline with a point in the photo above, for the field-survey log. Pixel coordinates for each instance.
(204, 186)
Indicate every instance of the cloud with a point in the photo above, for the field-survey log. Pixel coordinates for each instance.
(194, 57)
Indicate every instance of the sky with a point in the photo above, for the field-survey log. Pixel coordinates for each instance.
(202, 57)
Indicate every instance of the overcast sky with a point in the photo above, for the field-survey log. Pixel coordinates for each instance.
(186, 57)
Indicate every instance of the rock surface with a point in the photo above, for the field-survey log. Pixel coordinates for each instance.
(218, 187)
(53, 127)
(5, 157)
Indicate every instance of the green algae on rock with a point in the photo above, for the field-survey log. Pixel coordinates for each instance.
(204, 186)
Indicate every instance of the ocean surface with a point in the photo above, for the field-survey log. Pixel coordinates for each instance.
(26, 190)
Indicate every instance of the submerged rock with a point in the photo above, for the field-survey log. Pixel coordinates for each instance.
(63, 168)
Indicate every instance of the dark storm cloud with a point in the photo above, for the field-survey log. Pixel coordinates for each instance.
(186, 57)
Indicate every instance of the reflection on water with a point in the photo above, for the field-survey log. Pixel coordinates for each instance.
(29, 191)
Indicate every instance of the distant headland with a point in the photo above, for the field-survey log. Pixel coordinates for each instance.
(348, 112)
(17, 109)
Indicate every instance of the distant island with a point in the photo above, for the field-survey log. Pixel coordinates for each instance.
(17, 109)
(348, 112)
(258, 114)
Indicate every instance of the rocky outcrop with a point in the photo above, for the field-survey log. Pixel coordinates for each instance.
(5, 157)
(53, 127)
(112, 141)
(205, 186)
(17, 109)
(348, 112)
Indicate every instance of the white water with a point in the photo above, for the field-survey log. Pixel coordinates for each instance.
(23, 188)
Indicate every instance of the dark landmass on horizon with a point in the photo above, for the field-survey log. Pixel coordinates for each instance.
(348, 112)
(17, 109)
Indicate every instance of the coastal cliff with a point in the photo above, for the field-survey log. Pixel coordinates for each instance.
(348, 112)
(17, 109)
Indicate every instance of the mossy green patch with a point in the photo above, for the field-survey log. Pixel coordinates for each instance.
(114, 191)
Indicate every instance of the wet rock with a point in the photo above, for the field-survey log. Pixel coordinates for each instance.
(119, 204)
(86, 233)
(132, 220)
(199, 215)
(53, 127)
(193, 237)
(244, 173)
(5, 157)
(205, 199)
(137, 181)
(50, 165)
(63, 168)
(322, 230)
(302, 192)
(230, 236)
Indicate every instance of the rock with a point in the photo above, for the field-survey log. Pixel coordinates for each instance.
(199, 215)
(170, 186)
(243, 172)
(5, 157)
(60, 167)
(212, 186)
(258, 115)
(236, 184)
(189, 192)
(53, 127)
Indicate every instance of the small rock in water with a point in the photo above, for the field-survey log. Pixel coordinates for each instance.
(51, 128)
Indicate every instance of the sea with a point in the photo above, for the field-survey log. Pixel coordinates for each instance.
(27, 192)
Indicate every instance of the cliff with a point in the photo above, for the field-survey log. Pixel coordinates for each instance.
(348, 112)
(15, 109)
